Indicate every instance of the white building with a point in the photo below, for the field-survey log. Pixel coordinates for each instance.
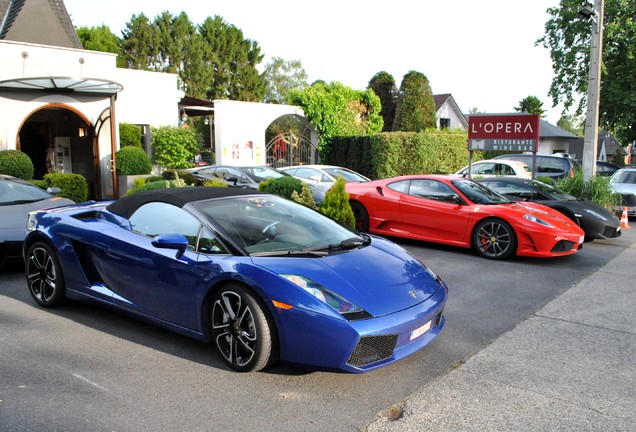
(61, 104)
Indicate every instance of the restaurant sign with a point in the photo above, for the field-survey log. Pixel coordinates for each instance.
(504, 132)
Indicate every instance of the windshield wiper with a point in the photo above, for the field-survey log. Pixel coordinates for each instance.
(300, 252)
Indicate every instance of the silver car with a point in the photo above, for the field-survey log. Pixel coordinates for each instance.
(17, 199)
(623, 182)
(323, 176)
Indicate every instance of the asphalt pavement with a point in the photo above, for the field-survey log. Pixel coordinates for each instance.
(569, 367)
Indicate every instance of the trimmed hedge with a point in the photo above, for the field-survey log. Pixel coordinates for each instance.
(392, 154)
(283, 186)
(132, 161)
(16, 164)
(73, 186)
(129, 135)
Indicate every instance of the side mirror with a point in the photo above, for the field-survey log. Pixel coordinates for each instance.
(171, 241)
(232, 179)
(54, 190)
(452, 198)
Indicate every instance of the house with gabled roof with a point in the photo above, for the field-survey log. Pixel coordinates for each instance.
(448, 114)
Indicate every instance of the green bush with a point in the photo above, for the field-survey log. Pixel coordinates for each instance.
(73, 186)
(129, 135)
(186, 176)
(336, 204)
(305, 198)
(175, 147)
(16, 164)
(132, 161)
(215, 183)
(597, 189)
(282, 186)
(159, 184)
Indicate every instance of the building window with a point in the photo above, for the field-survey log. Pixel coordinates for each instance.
(444, 123)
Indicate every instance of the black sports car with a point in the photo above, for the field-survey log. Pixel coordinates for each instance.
(597, 221)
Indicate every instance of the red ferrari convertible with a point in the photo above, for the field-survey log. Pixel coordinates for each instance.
(459, 212)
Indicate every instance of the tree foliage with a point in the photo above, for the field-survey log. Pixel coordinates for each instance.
(100, 39)
(572, 123)
(213, 60)
(415, 110)
(175, 147)
(337, 110)
(281, 77)
(531, 105)
(568, 35)
(383, 84)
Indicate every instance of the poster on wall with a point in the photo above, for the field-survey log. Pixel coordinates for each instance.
(63, 160)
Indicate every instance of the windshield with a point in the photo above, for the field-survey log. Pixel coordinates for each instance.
(16, 191)
(348, 175)
(263, 173)
(271, 225)
(624, 177)
(479, 194)
(552, 192)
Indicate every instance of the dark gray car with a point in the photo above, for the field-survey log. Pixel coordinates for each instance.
(17, 199)
(555, 167)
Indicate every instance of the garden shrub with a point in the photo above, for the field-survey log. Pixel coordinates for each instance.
(129, 135)
(597, 189)
(132, 161)
(72, 186)
(186, 176)
(174, 147)
(215, 183)
(336, 204)
(283, 186)
(16, 164)
(305, 198)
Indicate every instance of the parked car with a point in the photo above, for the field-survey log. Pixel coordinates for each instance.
(493, 168)
(603, 168)
(247, 177)
(555, 167)
(261, 277)
(17, 199)
(597, 221)
(623, 182)
(323, 176)
(460, 212)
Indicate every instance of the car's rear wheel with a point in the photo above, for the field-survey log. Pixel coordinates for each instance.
(242, 329)
(494, 239)
(44, 275)
(361, 216)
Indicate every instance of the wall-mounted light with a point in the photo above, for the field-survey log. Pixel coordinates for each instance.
(81, 132)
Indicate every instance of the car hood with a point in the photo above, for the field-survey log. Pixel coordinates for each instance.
(14, 217)
(381, 278)
(545, 213)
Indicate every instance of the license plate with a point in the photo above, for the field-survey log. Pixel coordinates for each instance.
(420, 330)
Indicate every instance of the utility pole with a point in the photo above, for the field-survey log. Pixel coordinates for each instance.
(590, 143)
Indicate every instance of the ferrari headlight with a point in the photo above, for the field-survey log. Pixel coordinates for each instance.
(533, 218)
(333, 300)
(596, 215)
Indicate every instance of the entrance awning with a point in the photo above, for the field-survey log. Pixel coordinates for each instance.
(92, 86)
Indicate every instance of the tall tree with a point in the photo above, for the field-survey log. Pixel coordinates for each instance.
(282, 76)
(140, 43)
(573, 124)
(531, 105)
(383, 84)
(567, 36)
(100, 39)
(233, 59)
(415, 110)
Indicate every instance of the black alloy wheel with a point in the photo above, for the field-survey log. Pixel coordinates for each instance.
(361, 216)
(494, 239)
(44, 276)
(242, 329)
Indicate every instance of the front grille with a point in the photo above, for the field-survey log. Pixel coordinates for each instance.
(610, 232)
(372, 349)
(563, 246)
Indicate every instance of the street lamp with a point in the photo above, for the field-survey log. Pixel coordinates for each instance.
(590, 142)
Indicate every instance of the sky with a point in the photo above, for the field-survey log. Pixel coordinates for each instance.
(481, 52)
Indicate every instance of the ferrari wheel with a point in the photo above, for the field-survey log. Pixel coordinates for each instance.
(494, 239)
(361, 216)
(44, 275)
(242, 330)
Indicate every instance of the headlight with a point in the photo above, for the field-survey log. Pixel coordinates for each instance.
(533, 218)
(596, 215)
(341, 305)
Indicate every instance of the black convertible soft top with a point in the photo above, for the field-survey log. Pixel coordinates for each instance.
(179, 197)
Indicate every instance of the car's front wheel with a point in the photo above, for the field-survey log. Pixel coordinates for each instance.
(44, 275)
(242, 329)
(494, 239)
